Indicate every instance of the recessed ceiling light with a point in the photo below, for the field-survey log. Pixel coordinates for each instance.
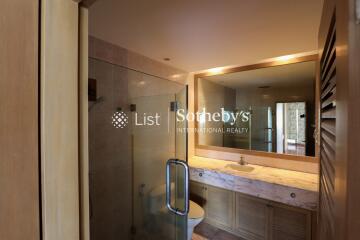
(141, 82)
(176, 76)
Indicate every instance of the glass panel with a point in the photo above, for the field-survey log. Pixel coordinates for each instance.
(181, 154)
(152, 147)
(291, 127)
(261, 128)
(132, 134)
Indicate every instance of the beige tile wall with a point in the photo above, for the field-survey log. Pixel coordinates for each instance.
(111, 53)
(110, 156)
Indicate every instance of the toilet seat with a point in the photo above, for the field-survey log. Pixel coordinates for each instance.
(195, 211)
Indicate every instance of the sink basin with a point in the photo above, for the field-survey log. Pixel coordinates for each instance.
(238, 167)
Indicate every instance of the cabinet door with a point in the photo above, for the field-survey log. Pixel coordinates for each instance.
(219, 207)
(197, 193)
(252, 216)
(290, 223)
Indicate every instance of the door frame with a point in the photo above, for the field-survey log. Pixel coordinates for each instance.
(63, 119)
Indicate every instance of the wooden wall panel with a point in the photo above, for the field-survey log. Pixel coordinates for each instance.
(347, 195)
(19, 161)
(59, 119)
(354, 122)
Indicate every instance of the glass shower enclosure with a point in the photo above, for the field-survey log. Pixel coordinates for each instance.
(138, 155)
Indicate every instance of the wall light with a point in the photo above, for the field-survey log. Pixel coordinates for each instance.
(217, 70)
(285, 58)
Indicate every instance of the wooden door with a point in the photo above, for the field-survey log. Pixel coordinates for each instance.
(327, 88)
(339, 46)
(19, 157)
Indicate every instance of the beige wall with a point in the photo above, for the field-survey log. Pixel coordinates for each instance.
(120, 56)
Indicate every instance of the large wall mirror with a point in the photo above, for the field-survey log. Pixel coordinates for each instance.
(266, 107)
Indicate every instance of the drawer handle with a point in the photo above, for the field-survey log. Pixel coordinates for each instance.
(292, 195)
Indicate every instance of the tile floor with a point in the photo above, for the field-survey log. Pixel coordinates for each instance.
(205, 231)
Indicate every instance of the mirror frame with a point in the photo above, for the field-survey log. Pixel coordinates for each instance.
(263, 64)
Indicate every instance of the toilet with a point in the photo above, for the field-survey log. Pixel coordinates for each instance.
(195, 216)
(157, 206)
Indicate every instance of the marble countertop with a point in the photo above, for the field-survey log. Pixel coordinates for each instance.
(294, 188)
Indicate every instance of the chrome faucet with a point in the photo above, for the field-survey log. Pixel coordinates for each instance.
(242, 161)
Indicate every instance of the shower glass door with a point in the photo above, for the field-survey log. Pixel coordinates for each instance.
(133, 133)
(156, 147)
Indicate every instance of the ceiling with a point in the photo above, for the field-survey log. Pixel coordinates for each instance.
(291, 75)
(202, 34)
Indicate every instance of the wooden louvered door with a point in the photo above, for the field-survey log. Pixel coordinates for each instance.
(327, 132)
(339, 90)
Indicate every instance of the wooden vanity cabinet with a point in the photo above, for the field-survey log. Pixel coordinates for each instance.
(252, 218)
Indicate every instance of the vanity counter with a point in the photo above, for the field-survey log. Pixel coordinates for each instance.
(293, 188)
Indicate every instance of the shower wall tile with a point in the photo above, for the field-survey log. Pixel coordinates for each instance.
(111, 192)
(120, 87)
(110, 155)
(111, 53)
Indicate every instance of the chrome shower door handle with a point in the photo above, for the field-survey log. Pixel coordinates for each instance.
(176, 162)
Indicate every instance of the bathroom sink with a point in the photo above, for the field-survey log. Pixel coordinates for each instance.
(238, 167)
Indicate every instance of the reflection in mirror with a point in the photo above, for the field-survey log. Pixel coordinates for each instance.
(267, 109)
